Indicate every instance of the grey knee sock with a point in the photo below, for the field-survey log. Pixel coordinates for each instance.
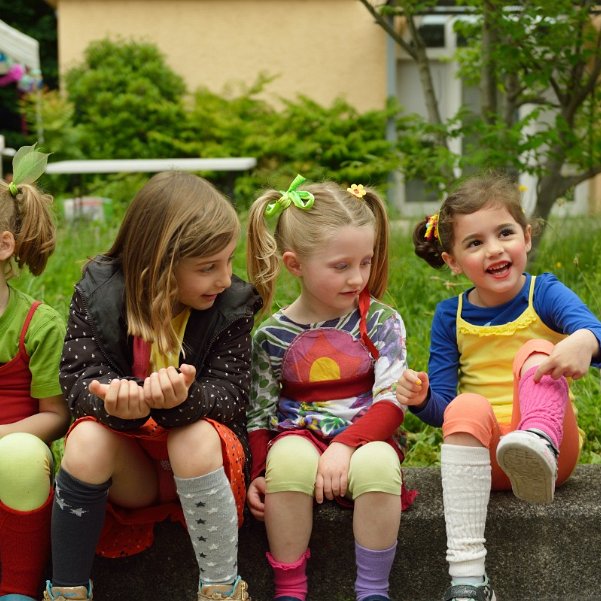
(212, 520)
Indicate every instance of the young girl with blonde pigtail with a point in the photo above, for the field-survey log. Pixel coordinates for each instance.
(156, 369)
(501, 357)
(33, 412)
(323, 418)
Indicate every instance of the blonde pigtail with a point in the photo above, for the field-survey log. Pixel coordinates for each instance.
(35, 235)
(262, 259)
(378, 279)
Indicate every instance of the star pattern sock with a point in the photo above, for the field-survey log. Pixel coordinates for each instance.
(212, 520)
(77, 519)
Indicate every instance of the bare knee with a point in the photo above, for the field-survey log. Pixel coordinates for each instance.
(194, 450)
(90, 452)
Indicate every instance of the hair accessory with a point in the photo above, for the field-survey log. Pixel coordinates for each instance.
(301, 199)
(28, 165)
(357, 190)
(432, 228)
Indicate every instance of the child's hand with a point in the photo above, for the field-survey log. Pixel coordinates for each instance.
(255, 498)
(412, 388)
(332, 472)
(168, 387)
(571, 357)
(122, 398)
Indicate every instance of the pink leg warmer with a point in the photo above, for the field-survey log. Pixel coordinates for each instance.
(543, 404)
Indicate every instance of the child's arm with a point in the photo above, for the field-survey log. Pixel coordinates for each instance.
(332, 472)
(571, 357)
(264, 396)
(385, 414)
(255, 498)
(412, 389)
(443, 365)
(221, 386)
(168, 387)
(123, 399)
(562, 310)
(49, 424)
(84, 361)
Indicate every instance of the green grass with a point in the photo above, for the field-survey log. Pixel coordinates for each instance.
(570, 248)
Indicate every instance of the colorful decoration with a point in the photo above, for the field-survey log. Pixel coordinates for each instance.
(301, 199)
(357, 190)
(432, 228)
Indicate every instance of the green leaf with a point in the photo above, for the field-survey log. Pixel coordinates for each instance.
(28, 165)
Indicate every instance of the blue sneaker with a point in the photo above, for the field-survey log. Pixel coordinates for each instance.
(16, 597)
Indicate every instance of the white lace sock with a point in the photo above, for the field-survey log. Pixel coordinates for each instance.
(466, 481)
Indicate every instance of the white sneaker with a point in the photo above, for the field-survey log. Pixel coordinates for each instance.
(529, 459)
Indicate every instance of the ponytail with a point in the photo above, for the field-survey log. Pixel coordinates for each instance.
(378, 277)
(29, 219)
(429, 249)
(262, 258)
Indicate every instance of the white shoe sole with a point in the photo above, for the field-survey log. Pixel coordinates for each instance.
(532, 477)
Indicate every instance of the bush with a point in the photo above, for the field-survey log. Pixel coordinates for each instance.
(128, 102)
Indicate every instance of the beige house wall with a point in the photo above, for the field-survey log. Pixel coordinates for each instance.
(323, 49)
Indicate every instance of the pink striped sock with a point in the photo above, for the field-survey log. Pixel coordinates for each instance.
(543, 404)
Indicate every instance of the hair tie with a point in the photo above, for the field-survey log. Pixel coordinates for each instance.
(28, 165)
(432, 228)
(301, 199)
(357, 190)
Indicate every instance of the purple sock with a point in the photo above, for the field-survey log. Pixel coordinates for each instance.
(543, 404)
(373, 571)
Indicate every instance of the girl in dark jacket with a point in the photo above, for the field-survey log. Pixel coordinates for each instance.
(155, 368)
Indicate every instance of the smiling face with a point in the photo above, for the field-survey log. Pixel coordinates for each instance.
(201, 279)
(333, 277)
(491, 249)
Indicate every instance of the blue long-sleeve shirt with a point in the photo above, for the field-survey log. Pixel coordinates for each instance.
(557, 306)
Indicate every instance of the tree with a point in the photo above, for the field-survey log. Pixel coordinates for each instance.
(537, 66)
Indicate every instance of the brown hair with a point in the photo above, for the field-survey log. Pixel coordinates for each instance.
(469, 196)
(303, 232)
(175, 215)
(28, 217)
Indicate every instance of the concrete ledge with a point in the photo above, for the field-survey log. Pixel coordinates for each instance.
(535, 553)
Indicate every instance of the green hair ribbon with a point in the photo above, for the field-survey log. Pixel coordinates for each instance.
(28, 165)
(299, 198)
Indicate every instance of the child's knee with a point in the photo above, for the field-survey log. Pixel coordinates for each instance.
(469, 415)
(375, 467)
(531, 354)
(25, 471)
(89, 446)
(291, 465)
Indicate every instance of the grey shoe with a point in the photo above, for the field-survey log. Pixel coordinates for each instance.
(468, 592)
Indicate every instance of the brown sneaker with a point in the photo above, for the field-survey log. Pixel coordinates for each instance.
(67, 593)
(215, 592)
